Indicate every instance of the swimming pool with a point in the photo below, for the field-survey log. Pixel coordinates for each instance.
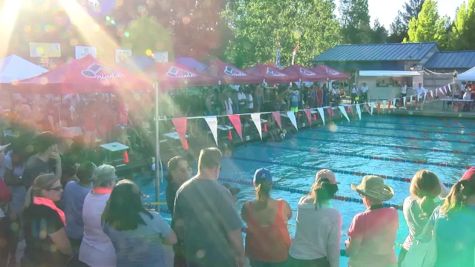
(391, 146)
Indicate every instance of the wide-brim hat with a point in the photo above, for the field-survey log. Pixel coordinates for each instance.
(373, 187)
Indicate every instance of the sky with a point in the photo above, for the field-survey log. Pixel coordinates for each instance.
(386, 10)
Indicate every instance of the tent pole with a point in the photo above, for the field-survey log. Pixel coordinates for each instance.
(158, 161)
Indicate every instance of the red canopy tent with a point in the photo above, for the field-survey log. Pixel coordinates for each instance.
(229, 74)
(271, 74)
(304, 74)
(172, 75)
(85, 75)
(330, 73)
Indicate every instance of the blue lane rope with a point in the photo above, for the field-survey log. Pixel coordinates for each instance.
(346, 154)
(408, 137)
(401, 129)
(341, 171)
(304, 192)
(390, 146)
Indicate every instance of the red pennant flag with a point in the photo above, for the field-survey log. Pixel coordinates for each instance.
(125, 157)
(230, 136)
(309, 116)
(236, 122)
(330, 112)
(180, 126)
(277, 118)
(378, 107)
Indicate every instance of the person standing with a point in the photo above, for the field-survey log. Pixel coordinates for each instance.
(178, 173)
(96, 248)
(205, 219)
(267, 237)
(318, 230)
(354, 93)
(372, 233)
(364, 93)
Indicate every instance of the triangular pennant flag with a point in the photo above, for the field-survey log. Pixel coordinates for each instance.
(425, 96)
(404, 101)
(358, 110)
(213, 126)
(309, 115)
(436, 92)
(292, 119)
(322, 114)
(277, 118)
(432, 93)
(371, 109)
(450, 88)
(256, 118)
(445, 89)
(441, 91)
(394, 102)
(343, 111)
(236, 122)
(180, 126)
(411, 98)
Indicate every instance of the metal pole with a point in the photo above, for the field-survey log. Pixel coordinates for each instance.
(157, 146)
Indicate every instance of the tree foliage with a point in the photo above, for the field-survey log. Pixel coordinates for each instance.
(262, 27)
(355, 21)
(400, 25)
(429, 26)
(463, 29)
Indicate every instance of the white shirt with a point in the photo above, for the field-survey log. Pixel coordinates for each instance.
(228, 104)
(250, 101)
(404, 89)
(421, 90)
(354, 90)
(364, 89)
(317, 234)
(467, 95)
(96, 248)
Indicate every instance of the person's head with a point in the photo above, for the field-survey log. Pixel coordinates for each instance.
(425, 184)
(461, 193)
(420, 85)
(263, 184)
(373, 191)
(46, 143)
(209, 162)
(324, 187)
(47, 186)
(85, 172)
(178, 170)
(124, 206)
(104, 176)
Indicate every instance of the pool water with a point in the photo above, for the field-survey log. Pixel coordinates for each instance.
(401, 145)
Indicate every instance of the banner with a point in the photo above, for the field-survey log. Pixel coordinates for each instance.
(81, 51)
(277, 118)
(343, 111)
(213, 126)
(180, 127)
(122, 55)
(45, 50)
(292, 119)
(309, 116)
(358, 110)
(256, 118)
(322, 114)
(236, 122)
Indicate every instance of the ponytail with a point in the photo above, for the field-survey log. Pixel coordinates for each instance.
(458, 193)
(322, 191)
(263, 193)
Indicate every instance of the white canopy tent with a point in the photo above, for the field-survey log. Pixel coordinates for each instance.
(15, 68)
(469, 75)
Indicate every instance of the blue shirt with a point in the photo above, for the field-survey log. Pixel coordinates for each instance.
(141, 247)
(73, 200)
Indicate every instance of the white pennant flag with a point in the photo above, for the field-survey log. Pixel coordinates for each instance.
(394, 102)
(425, 96)
(411, 98)
(213, 126)
(371, 108)
(343, 111)
(445, 89)
(432, 93)
(256, 118)
(404, 101)
(418, 97)
(450, 88)
(322, 114)
(441, 91)
(292, 119)
(358, 110)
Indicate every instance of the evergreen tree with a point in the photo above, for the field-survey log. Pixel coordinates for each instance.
(262, 27)
(400, 25)
(355, 21)
(429, 26)
(463, 30)
(379, 33)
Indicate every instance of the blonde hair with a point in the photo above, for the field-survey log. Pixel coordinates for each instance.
(41, 182)
(425, 184)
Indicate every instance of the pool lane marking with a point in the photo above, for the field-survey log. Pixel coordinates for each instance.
(412, 130)
(341, 171)
(412, 126)
(347, 154)
(303, 192)
(445, 125)
(390, 146)
(406, 137)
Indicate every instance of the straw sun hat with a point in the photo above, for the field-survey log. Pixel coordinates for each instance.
(373, 186)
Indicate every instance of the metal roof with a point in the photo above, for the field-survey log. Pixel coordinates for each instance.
(377, 52)
(452, 60)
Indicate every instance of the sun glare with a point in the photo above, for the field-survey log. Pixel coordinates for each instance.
(8, 16)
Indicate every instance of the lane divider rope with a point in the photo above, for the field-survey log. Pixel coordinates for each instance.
(400, 129)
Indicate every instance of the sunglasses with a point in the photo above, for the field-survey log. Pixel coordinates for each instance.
(57, 188)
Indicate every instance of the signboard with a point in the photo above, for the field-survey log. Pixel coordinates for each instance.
(82, 51)
(122, 55)
(45, 50)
